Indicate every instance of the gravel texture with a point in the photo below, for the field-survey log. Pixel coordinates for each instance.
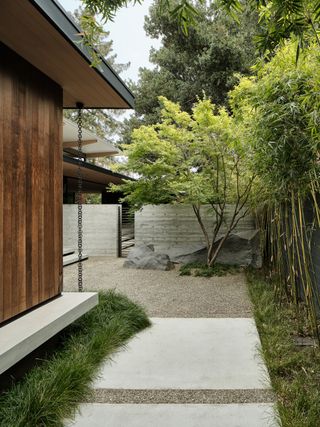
(165, 293)
(182, 396)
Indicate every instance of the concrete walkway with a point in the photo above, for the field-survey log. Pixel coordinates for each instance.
(186, 371)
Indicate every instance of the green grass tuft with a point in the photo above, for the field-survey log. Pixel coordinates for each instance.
(52, 391)
(294, 371)
(202, 270)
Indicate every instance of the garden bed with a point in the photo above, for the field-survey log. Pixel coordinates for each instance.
(52, 391)
(294, 368)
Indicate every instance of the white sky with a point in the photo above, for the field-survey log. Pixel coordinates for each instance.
(130, 42)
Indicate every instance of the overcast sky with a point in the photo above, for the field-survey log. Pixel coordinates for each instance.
(130, 42)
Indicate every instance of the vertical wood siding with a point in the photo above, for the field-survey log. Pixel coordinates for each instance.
(30, 186)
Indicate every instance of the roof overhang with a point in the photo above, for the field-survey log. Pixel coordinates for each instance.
(92, 173)
(42, 33)
(92, 144)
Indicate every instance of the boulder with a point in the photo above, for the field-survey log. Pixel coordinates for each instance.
(241, 248)
(187, 253)
(144, 257)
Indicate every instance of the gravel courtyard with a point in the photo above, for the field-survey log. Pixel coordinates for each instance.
(165, 293)
(198, 365)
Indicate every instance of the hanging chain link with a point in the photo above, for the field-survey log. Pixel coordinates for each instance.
(79, 197)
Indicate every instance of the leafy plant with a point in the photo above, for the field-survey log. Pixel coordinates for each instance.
(279, 20)
(196, 159)
(186, 67)
(202, 270)
(278, 114)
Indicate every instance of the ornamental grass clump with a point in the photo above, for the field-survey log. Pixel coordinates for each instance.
(278, 111)
(50, 393)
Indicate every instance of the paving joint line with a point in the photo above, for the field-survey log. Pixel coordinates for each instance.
(176, 396)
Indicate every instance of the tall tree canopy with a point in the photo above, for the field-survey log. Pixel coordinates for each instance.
(280, 18)
(205, 61)
(185, 68)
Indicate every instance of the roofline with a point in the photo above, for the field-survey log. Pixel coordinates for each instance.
(56, 14)
(95, 168)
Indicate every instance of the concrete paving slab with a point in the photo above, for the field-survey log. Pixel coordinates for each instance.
(234, 415)
(178, 353)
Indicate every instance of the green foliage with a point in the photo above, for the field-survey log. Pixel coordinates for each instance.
(51, 392)
(106, 8)
(279, 114)
(199, 269)
(294, 370)
(186, 269)
(186, 158)
(279, 20)
(92, 199)
(197, 159)
(282, 20)
(184, 12)
(186, 67)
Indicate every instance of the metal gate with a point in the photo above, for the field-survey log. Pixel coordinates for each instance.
(127, 231)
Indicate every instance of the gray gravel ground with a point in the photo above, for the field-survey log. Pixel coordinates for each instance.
(182, 396)
(165, 293)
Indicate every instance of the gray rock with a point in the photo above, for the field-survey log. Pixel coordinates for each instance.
(241, 248)
(144, 257)
(140, 251)
(187, 253)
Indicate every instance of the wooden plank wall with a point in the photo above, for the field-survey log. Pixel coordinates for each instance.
(30, 186)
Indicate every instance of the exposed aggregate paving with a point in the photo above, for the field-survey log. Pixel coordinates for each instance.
(166, 293)
(171, 396)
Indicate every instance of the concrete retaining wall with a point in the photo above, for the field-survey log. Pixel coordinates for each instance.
(170, 225)
(100, 229)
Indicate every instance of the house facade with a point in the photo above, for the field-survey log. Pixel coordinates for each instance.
(44, 68)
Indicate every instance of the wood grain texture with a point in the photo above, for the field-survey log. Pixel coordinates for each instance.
(37, 40)
(30, 186)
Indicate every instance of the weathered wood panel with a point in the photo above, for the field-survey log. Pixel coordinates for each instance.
(30, 186)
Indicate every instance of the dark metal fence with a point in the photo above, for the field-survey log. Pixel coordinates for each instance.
(127, 231)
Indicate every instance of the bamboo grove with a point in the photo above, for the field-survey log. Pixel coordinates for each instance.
(279, 113)
(263, 153)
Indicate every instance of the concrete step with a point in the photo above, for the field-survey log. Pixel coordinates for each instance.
(26, 333)
(126, 237)
(128, 244)
(72, 259)
(68, 251)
